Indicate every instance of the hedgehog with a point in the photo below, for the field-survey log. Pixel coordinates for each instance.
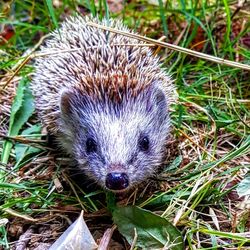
(105, 98)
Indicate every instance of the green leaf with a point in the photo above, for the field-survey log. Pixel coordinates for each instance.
(91, 6)
(21, 115)
(174, 165)
(17, 102)
(243, 187)
(154, 232)
(22, 108)
(110, 199)
(23, 150)
(52, 12)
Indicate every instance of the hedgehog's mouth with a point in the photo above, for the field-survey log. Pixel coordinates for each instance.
(117, 182)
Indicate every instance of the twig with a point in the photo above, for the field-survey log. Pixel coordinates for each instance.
(196, 144)
(134, 240)
(174, 47)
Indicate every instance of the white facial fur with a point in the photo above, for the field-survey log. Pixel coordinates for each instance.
(117, 130)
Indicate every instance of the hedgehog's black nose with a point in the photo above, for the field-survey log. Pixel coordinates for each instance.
(117, 181)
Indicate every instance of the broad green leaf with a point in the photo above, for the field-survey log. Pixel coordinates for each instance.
(110, 199)
(21, 116)
(154, 232)
(163, 199)
(244, 186)
(22, 108)
(17, 102)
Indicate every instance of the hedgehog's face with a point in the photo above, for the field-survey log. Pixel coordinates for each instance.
(116, 145)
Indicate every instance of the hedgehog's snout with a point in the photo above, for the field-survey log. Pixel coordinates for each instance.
(117, 181)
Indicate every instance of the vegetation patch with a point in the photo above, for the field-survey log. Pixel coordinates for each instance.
(200, 198)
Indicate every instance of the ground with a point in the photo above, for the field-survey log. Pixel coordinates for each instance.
(202, 189)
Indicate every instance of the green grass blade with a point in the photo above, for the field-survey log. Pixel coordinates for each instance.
(163, 17)
(52, 12)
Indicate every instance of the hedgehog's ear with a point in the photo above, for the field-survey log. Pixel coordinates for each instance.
(158, 104)
(67, 102)
(161, 105)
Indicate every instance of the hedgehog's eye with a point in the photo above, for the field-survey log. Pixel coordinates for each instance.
(91, 146)
(144, 143)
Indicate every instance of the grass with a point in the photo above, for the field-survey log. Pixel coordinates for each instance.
(199, 188)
